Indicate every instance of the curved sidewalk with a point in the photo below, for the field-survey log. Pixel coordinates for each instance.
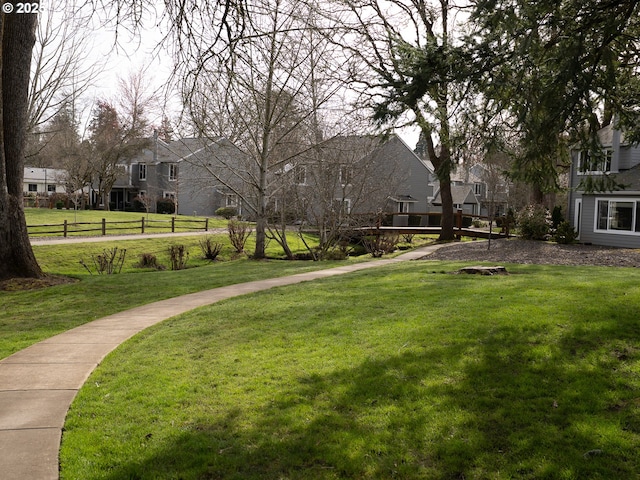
(38, 384)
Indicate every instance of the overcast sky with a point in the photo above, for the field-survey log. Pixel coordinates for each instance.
(132, 52)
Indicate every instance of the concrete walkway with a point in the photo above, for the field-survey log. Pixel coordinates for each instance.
(38, 384)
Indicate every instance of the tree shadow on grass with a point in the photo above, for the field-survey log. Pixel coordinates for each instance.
(504, 404)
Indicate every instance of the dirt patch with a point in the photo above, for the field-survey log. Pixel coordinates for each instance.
(17, 284)
(537, 252)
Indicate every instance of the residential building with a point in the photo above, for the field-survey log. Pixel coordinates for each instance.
(606, 217)
(358, 177)
(43, 181)
(184, 171)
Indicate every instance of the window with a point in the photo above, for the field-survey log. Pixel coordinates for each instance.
(231, 200)
(142, 171)
(588, 163)
(345, 175)
(618, 215)
(477, 189)
(300, 174)
(33, 187)
(171, 195)
(51, 188)
(342, 206)
(173, 172)
(403, 207)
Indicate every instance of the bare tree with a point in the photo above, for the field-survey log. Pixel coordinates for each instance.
(409, 70)
(63, 65)
(17, 36)
(253, 87)
(343, 184)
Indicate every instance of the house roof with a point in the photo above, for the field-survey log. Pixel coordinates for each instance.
(605, 135)
(36, 174)
(462, 194)
(404, 198)
(630, 178)
(175, 151)
(368, 144)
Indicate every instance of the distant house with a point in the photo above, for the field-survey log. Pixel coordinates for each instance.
(609, 218)
(478, 190)
(179, 171)
(43, 181)
(359, 175)
(356, 174)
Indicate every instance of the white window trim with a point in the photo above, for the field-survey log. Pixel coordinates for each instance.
(345, 171)
(610, 231)
(142, 168)
(231, 200)
(173, 172)
(345, 202)
(608, 153)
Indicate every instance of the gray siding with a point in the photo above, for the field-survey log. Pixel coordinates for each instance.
(629, 157)
(588, 235)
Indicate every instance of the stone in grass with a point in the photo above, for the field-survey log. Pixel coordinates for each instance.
(482, 270)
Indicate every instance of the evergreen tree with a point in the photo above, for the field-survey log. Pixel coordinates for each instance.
(561, 70)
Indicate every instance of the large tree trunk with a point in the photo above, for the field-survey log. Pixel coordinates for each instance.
(17, 32)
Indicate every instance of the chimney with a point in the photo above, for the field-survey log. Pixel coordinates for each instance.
(155, 146)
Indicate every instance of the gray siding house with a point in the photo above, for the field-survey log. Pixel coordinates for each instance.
(364, 175)
(179, 170)
(610, 218)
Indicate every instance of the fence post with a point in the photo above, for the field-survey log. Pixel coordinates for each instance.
(206, 224)
(65, 229)
(104, 226)
(173, 224)
(459, 223)
(142, 226)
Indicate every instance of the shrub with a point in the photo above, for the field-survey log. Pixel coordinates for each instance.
(408, 237)
(565, 233)
(335, 254)
(239, 233)
(149, 260)
(434, 220)
(227, 212)
(109, 263)
(414, 220)
(378, 245)
(166, 205)
(178, 255)
(556, 217)
(534, 222)
(210, 249)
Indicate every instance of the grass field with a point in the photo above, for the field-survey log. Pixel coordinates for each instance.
(405, 371)
(29, 316)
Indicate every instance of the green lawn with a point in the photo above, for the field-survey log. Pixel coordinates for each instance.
(30, 316)
(398, 372)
